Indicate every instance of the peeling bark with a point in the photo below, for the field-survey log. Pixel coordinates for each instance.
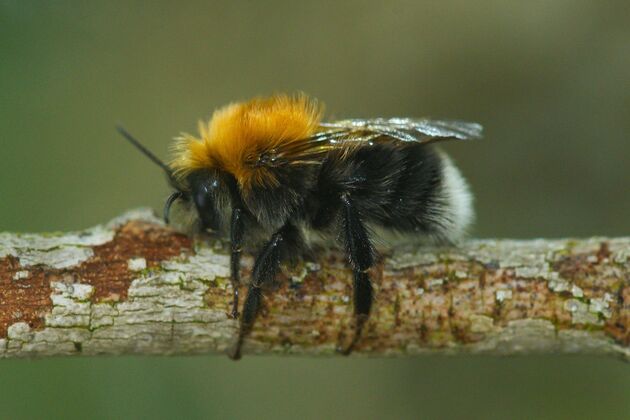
(135, 286)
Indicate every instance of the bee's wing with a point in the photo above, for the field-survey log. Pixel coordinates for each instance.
(338, 134)
(410, 129)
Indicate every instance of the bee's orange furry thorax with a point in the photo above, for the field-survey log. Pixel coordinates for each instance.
(239, 133)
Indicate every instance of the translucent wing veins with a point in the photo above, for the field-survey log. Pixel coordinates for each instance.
(354, 131)
(410, 129)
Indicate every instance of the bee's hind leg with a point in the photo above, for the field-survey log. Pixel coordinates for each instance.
(360, 253)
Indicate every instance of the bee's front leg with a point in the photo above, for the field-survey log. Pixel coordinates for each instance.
(236, 239)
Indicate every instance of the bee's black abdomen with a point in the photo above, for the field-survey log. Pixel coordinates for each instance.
(416, 193)
(391, 185)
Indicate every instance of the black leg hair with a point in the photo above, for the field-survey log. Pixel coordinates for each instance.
(236, 238)
(361, 256)
(265, 269)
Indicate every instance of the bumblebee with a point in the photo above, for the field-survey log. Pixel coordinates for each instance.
(270, 171)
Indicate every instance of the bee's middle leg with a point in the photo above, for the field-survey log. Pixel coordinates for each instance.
(266, 267)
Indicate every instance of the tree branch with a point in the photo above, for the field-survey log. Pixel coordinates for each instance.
(135, 286)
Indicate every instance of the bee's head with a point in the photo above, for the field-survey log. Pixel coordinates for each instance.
(204, 195)
(203, 192)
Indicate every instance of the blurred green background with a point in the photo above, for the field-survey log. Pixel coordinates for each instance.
(549, 80)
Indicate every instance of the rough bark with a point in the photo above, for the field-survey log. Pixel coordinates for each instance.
(135, 286)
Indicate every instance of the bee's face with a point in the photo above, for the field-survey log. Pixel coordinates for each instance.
(205, 188)
(200, 204)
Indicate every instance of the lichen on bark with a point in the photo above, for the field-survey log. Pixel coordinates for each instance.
(134, 286)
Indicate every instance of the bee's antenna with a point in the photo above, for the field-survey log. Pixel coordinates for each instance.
(145, 151)
(169, 202)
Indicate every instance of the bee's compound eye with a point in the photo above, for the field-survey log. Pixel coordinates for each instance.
(204, 188)
(203, 197)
